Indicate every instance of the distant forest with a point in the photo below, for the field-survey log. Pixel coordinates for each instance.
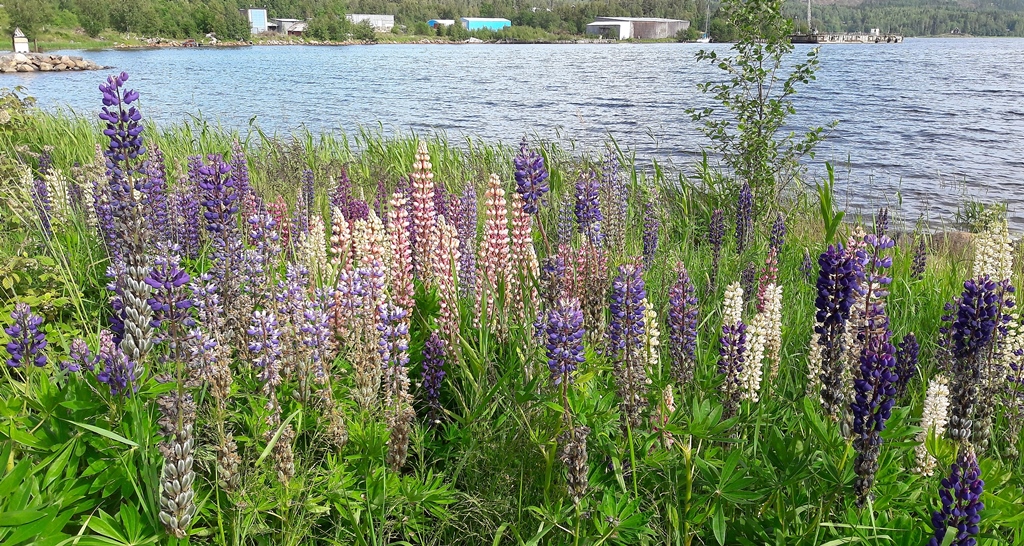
(184, 18)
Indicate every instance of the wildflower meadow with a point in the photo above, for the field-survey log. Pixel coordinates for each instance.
(371, 340)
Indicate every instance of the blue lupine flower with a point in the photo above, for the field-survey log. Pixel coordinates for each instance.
(27, 342)
(564, 339)
(531, 177)
(961, 502)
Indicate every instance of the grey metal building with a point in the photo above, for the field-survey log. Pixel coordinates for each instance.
(640, 28)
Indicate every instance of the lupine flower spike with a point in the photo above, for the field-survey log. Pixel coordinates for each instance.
(531, 178)
(961, 502)
(27, 341)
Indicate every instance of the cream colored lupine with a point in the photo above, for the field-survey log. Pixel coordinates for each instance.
(445, 265)
(668, 407)
(750, 374)
(424, 217)
(1013, 341)
(495, 254)
(933, 418)
(341, 241)
(652, 335)
(368, 241)
(57, 185)
(19, 199)
(814, 367)
(993, 252)
(732, 309)
(773, 327)
(311, 249)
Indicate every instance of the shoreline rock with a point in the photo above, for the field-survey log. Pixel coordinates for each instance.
(42, 62)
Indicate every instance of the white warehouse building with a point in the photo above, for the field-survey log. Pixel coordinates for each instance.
(641, 28)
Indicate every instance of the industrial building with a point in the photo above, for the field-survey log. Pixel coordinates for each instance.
(289, 27)
(640, 28)
(484, 23)
(257, 18)
(434, 23)
(380, 23)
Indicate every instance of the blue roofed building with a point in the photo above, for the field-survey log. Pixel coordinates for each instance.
(257, 18)
(485, 23)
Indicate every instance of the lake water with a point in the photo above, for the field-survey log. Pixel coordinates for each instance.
(921, 125)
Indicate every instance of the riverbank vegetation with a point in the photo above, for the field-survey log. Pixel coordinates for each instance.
(94, 23)
(222, 338)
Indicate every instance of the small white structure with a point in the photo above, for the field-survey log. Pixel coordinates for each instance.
(20, 41)
(380, 23)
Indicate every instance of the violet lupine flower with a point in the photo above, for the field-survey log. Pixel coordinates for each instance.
(615, 200)
(153, 188)
(380, 198)
(837, 288)
(566, 222)
(906, 363)
(27, 342)
(434, 354)
(875, 392)
(588, 207)
(920, 260)
(116, 371)
(45, 163)
(977, 314)
(748, 278)
(308, 191)
(778, 234)
(315, 335)
(626, 336)
(219, 195)
(341, 195)
(124, 130)
(732, 355)
(265, 344)
(682, 326)
(650, 238)
(79, 357)
(882, 222)
(531, 177)
(42, 203)
(564, 339)
(716, 232)
(466, 224)
(358, 210)
(552, 279)
(807, 266)
(961, 502)
(188, 219)
(744, 217)
(441, 200)
(240, 170)
(167, 280)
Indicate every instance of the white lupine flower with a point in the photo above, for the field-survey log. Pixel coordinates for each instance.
(750, 375)
(773, 326)
(814, 367)
(652, 336)
(312, 246)
(732, 310)
(993, 252)
(936, 404)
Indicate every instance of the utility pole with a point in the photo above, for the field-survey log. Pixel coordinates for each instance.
(808, 16)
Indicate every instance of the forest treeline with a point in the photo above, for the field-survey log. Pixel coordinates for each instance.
(185, 18)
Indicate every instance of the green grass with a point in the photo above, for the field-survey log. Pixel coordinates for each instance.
(777, 472)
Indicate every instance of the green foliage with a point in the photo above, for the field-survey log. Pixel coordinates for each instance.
(28, 15)
(756, 100)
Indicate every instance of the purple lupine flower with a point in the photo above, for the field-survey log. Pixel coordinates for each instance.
(116, 271)
(837, 288)
(588, 207)
(341, 194)
(961, 502)
(564, 339)
(265, 344)
(240, 170)
(652, 224)
(682, 326)
(552, 278)
(977, 315)
(882, 222)
(778, 234)
(434, 354)
(315, 334)
(744, 217)
(748, 278)
(531, 178)
(441, 200)
(615, 199)
(906, 363)
(27, 342)
(807, 266)
(626, 329)
(466, 224)
(124, 129)
(566, 223)
(45, 163)
(219, 196)
(875, 392)
(42, 204)
(167, 280)
(115, 370)
(308, 191)
(79, 357)
(732, 356)
(358, 210)
(380, 199)
(626, 336)
(716, 233)
(153, 188)
(920, 260)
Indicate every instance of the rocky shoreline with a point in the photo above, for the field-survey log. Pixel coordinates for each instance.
(42, 62)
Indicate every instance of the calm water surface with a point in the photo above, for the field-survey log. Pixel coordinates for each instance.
(921, 124)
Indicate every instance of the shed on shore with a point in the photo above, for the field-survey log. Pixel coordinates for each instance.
(485, 23)
(640, 28)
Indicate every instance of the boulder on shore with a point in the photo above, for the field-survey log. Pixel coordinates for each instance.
(42, 62)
